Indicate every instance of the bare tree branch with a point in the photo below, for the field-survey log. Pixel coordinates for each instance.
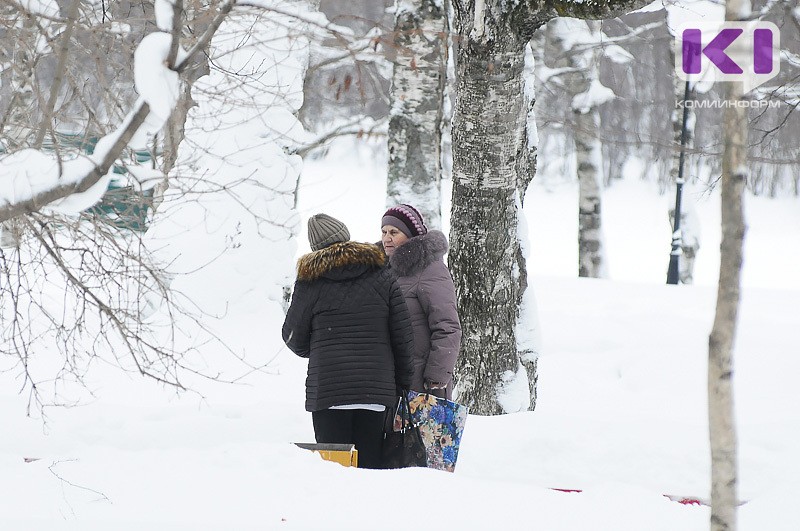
(177, 13)
(55, 88)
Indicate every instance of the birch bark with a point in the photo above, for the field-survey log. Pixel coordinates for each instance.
(589, 162)
(722, 426)
(489, 139)
(491, 163)
(591, 259)
(572, 42)
(418, 83)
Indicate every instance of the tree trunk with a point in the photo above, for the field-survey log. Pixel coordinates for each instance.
(588, 154)
(589, 162)
(490, 152)
(491, 164)
(175, 129)
(19, 124)
(722, 429)
(581, 61)
(417, 92)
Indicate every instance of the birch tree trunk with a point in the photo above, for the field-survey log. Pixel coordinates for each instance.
(722, 428)
(589, 159)
(589, 162)
(418, 83)
(571, 42)
(491, 162)
(489, 139)
(581, 80)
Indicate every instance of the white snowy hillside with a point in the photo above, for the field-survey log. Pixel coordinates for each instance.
(621, 414)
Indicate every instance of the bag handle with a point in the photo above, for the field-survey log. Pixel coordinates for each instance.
(406, 422)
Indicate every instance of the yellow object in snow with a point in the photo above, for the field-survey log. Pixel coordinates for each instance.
(344, 454)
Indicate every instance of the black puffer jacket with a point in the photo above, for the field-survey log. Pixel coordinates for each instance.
(348, 316)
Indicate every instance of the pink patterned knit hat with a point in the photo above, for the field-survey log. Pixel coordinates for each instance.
(407, 219)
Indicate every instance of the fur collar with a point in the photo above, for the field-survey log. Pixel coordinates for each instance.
(418, 253)
(345, 259)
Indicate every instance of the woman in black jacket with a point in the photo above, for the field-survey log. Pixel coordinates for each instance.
(348, 317)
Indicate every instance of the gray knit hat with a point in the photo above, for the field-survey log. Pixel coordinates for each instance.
(324, 230)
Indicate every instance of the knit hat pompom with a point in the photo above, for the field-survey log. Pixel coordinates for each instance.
(325, 230)
(407, 219)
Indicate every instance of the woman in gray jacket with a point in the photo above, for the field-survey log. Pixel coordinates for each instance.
(415, 257)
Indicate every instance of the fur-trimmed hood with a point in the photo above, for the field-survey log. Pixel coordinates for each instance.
(340, 261)
(418, 252)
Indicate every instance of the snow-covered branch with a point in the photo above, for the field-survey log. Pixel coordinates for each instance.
(25, 189)
(590, 10)
(610, 45)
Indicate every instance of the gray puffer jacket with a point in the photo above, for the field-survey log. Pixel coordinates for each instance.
(431, 299)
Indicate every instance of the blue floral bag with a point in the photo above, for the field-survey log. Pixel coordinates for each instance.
(441, 424)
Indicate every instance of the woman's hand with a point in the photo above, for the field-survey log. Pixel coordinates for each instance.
(429, 385)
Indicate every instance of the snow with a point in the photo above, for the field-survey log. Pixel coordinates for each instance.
(27, 173)
(144, 177)
(119, 28)
(513, 393)
(46, 8)
(156, 83)
(230, 205)
(616, 53)
(594, 96)
(164, 14)
(621, 411)
(76, 203)
(528, 333)
(574, 32)
(657, 5)
(479, 22)
(743, 11)
(529, 86)
(639, 251)
(24, 174)
(402, 6)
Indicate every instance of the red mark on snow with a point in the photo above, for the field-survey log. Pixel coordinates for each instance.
(689, 501)
(685, 500)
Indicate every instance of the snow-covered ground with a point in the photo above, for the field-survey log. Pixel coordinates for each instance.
(621, 413)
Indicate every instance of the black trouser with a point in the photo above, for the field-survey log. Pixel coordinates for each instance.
(361, 427)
